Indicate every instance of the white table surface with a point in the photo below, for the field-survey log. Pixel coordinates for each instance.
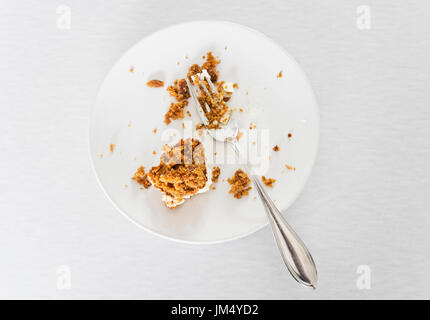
(366, 203)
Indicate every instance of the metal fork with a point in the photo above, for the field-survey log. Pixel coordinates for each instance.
(294, 252)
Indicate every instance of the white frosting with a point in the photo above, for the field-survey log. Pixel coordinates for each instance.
(172, 202)
(228, 87)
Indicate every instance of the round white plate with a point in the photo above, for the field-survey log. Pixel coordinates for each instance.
(127, 112)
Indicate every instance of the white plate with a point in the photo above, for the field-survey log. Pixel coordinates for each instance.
(127, 111)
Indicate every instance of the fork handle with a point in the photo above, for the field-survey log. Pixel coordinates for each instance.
(293, 251)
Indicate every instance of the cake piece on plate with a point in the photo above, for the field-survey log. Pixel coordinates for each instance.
(182, 172)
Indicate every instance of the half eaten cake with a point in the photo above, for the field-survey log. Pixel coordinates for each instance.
(182, 172)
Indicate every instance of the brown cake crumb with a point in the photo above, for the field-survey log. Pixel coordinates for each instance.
(268, 181)
(239, 184)
(290, 135)
(142, 178)
(199, 126)
(276, 148)
(155, 83)
(112, 147)
(279, 74)
(154, 152)
(176, 111)
(155, 130)
(179, 90)
(290, 167)
(218, 111)
(216, 171)
(181, 172)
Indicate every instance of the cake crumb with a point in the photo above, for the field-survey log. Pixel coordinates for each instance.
(239, 135)
(235, 86)
(225, 48)
(189, 113)
(240, 110)
(155, 130)
(142, 178)
(290, 167)
(112, 147)
(239, 184)
(155, 83)
(216, 171)
(268, 181)
(179, 90)
(131, 69)
(101, 155)
(279, 74)
(199, 126)
(218, 112)
(154, 152)
(276, 148)
(129, 124)
(289, 135)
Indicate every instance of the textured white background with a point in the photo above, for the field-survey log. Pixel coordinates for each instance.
(366, 203)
